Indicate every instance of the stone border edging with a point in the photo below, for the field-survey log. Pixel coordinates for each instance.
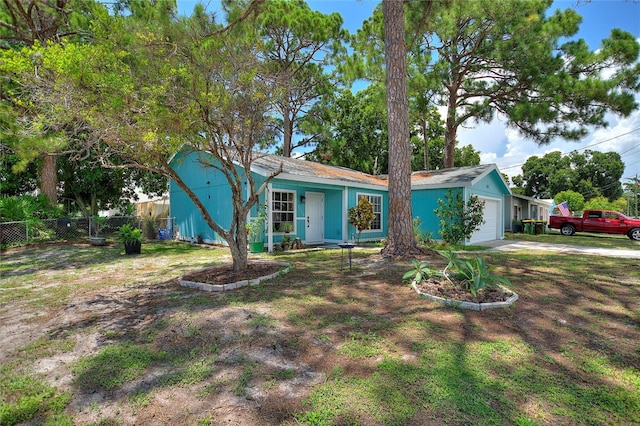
(467, 305)
(236, 285)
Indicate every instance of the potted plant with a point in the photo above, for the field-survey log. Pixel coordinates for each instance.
(286, 242)
(98, 223)
(286, 227)
(131, 237)
(254, 228)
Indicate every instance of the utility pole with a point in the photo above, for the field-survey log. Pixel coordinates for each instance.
(636, 194)
(633, 188)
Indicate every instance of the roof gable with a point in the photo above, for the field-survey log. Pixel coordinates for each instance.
(309, 171)
(452, 177)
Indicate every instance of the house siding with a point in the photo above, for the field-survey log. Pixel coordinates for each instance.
(490, 186)
(212, 188)
(333, 206)
(424, 204)
(368, 235)
(213, 191)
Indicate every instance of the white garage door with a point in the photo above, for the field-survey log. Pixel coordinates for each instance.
(490, 229)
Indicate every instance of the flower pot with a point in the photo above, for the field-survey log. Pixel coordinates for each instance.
(97, 241)
(256, 247)
(132, 247)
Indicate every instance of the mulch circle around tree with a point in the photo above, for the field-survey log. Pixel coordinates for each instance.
(445, 289)
(224, 274)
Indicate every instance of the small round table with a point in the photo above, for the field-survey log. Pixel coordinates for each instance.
(349, 247)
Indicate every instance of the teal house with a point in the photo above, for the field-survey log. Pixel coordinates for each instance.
(311, 200)
(484, 181)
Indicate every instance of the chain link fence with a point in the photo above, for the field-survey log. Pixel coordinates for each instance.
(76, 229)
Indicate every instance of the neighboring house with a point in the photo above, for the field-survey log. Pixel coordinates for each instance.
(518, 207)
(158, 207)
(315, 199)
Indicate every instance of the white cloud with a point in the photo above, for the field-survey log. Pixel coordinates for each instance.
(509, 150)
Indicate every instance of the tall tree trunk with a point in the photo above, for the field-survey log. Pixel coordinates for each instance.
(450, 141)
(94, 204)
(238, 241)
(426, 143)
(288, 132)
(400, 240)
(49, 178)
(451, 128)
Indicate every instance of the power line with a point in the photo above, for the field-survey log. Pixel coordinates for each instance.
(585, 147)
(630, 149)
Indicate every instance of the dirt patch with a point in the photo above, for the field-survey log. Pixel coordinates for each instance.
(225, 274)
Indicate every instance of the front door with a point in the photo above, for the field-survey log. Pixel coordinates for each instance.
(315, 218)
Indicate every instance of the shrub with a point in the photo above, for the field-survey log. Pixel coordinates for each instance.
(362, 216)
(459, 220)
(27, 207)
(474, 274)
(424, 238)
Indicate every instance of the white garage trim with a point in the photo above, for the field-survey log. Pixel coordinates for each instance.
(491, 229)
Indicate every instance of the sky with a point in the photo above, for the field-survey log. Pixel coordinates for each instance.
(505, 147)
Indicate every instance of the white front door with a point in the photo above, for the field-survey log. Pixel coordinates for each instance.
(314, 223)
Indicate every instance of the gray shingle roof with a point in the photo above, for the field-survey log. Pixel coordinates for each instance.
(446, 177)
(293, 168)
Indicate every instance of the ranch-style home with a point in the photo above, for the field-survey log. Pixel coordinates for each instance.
(315, 198)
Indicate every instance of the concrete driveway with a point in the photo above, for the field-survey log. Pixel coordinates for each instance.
(510, 245)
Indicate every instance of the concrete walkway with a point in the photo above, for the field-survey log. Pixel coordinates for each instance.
(511, 245)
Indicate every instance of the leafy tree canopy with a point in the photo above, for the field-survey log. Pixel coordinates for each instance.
(574, 200)
(351, 131)
(154, 84)
(600, 202)
(482, 57)
(297, 44)
(590, 173)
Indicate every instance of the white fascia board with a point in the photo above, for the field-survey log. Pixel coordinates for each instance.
(326, 181)
(440, 186)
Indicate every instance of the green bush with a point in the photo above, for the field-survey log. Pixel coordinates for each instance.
(27, 207)
(459, 220)
(474, 274)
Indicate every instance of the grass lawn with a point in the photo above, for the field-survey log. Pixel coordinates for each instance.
(580, 239)
(90, 336)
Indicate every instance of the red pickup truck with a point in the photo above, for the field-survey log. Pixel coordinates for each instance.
(601, 221)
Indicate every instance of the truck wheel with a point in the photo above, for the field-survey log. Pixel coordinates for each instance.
(567, 229)
(634, 234)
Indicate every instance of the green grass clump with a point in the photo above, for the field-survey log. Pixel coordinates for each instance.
(114, 366)
(25, 397)
(362, 345)
(482, 382)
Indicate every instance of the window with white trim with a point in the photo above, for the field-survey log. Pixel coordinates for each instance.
(283, 211)
(376, 201)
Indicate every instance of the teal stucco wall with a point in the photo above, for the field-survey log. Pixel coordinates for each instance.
(212, 190)
(424, 203)
(352, 198)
